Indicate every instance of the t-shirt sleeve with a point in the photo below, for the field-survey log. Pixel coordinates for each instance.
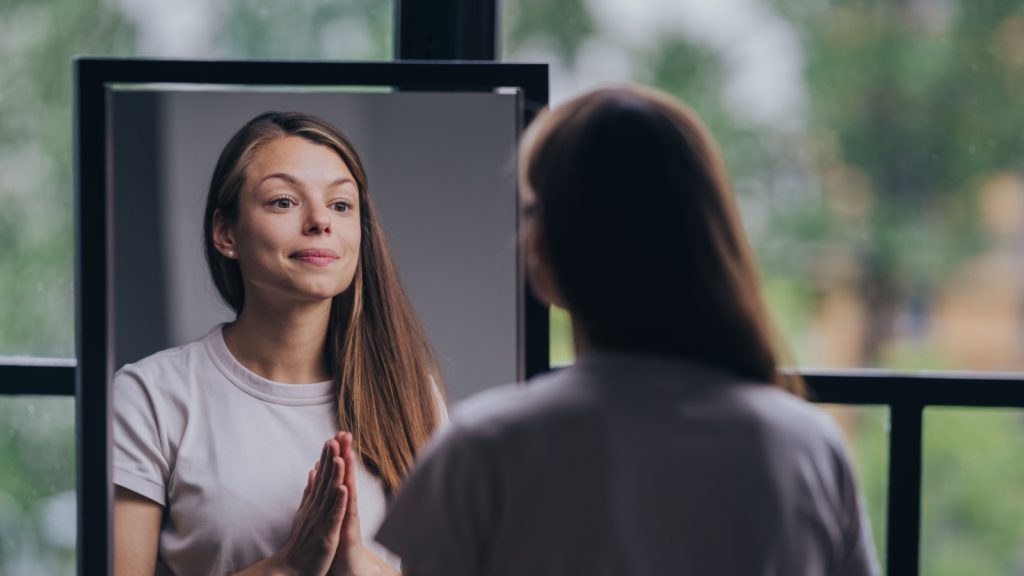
(443, 516)
(139, 461)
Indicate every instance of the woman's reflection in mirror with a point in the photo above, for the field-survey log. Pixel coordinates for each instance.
(271, 445)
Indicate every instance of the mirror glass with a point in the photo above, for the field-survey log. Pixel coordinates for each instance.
(441, 172)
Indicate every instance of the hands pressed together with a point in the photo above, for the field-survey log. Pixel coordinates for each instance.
(325, 536)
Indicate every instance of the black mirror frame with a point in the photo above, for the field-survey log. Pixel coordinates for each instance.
(94, 326)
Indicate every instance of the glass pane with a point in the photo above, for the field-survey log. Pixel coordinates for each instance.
(874, 146)
(40, 38)
(866, 429)
(971, 499)
(560, 337)
(37, 485)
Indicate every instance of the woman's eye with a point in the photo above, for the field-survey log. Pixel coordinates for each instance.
(342, 206)
(282, 203)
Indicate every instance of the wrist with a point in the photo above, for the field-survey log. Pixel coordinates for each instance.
(362, 562)
(278, 565)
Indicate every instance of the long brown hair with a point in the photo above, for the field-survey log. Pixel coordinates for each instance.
(643, 234)
(378, 353)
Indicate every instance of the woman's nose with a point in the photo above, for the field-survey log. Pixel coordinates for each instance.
(318, 221)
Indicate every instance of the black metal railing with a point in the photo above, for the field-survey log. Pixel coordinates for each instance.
(906, 395)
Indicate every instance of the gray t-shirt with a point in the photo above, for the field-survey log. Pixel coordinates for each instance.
(631, 465)
(226, 453)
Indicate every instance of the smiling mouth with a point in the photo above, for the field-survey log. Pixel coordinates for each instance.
(316, 257)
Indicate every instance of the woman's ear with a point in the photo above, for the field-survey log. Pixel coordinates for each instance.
(224, 236)
(538, 266)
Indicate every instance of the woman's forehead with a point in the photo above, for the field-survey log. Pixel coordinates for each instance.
(296, 160)
(299, 152)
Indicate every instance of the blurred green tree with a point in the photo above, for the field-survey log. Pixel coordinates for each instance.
(36, 308)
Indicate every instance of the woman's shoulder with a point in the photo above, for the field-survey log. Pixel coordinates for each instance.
(786, 427)
(502, 410)
(775, 406)
(168, 365)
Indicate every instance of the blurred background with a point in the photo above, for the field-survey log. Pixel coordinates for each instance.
(876, 148)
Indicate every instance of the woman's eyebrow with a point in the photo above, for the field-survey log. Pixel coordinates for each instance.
(294, 182)
(341, 181)
(291, 180)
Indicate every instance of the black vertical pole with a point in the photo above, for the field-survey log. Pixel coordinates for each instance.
(446, 29)
(92, 328)
(903, 535)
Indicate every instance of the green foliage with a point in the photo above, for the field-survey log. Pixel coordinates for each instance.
(37, 463)
(560, 333)
(973, 477)
(788, 299)
(36, 309)
(353, 29)
(920, 103)
(564, 25)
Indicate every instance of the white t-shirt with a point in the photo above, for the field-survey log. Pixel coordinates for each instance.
(631, 465)
(226, 453)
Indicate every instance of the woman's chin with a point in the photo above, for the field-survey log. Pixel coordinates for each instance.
(321, 293)
(299, 293)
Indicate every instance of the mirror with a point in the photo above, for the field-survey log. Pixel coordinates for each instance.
(438, 143)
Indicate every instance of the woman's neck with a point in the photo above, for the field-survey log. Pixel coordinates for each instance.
(283, 343)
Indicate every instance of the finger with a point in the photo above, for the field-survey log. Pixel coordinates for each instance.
(311, 481)
(334, 451)
(314, 473)
(348, 455)
(332, 506)
(321, 483)
(352, 514)
(310, 493)
(337, 517)
(308, 488)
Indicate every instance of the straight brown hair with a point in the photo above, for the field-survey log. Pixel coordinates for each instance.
(390, 393)
(643, 234)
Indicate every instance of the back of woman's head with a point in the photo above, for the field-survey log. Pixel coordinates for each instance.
(642, 234)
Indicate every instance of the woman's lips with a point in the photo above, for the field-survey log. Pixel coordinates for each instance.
(317, 257)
